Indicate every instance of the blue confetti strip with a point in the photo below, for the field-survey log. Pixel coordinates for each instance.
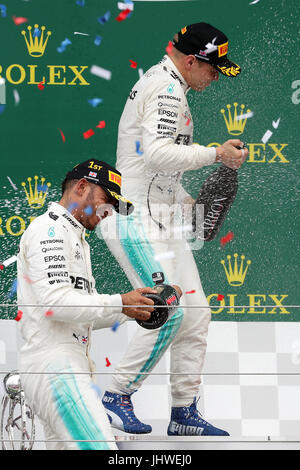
(43, 188)
(138, 146)
(97, 389)
(115, 326)
(104, 19)
(2, 108)
(36, 33)
(3, 10)
(72, 206)
(95, 101)
(81, 3)
(63, 45)
(13, 289)
(88, 210)
(98, 40)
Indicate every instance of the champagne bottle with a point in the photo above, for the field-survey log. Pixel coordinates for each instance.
(217, 195)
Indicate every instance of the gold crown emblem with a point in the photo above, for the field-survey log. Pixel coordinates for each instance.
(36, 46)
(236, 276)
(235, 124)
(36, 196)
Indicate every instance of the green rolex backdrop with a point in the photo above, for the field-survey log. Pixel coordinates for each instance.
(61, 97)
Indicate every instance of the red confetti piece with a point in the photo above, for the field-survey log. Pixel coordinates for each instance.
(88, 133)
(191, 291)
(49, 313)
(220, 297)
(107, 362)
(19, 20)
(227, 238)
(101, 124)
(62, 135)
(19, 315)
(123, 15)
(133, 64)
(41, 86)
(169, 47)
(188, 122)
(1, 267)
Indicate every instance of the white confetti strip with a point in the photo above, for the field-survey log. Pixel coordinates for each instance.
(267, 136)
(9, 261)
(82, 34)
(16, 97)
(244, 116)
(275, 124)
(141, 72)
(100, 72)
(2, 91)
(125, 6)
(13, 185)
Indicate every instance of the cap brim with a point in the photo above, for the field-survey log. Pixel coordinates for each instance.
(228, 68)
(123, 206)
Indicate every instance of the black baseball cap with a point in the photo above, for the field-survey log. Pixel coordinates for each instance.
(105, 176)
(209, 45)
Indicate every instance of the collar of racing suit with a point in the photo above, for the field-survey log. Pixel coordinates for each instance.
(172, 69)
(55, 209)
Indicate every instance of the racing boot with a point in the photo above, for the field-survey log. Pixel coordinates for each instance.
(119, 409)
(187, 421)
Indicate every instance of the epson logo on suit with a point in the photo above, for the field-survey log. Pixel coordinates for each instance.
(54, 258)
(167, 113)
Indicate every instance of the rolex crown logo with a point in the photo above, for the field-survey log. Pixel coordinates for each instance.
(36, 46)
(235, 124)
(235, 276)
(36, 196)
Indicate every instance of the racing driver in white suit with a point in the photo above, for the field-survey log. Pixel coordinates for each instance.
(155, 147)
(56, 293)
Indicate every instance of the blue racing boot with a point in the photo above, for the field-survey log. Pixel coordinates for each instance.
(187, 421)
(120, 412)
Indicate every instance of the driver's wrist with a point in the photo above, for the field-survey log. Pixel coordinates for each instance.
(218, 154)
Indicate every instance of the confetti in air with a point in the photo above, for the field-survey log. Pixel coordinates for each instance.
(36, 33)
(125, 6)
(169, 47)
(97, 389)
(98, 40)
(9, 261)
(41, 86)
(123, 15)
(81, 3)
(19, 315)
(1, 267)
(63, 45)
(88, 134)
(115, 326)
(88, 210)
(95, 101)
(267, 135)
(190, 291)
(254, 2)
(13, 290)
(244, 116)
(220, 297)
(13, 185)
(19, 20)
(227, 238)
(49, 313)
(133, 64)
(62, 135)
(141, 72)
(100, 72)
(72, 206)
(2, 108)
(101, 124)
(107, 362)
(138, 146)
(105, 18)
(3, 10)
(16, 97)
